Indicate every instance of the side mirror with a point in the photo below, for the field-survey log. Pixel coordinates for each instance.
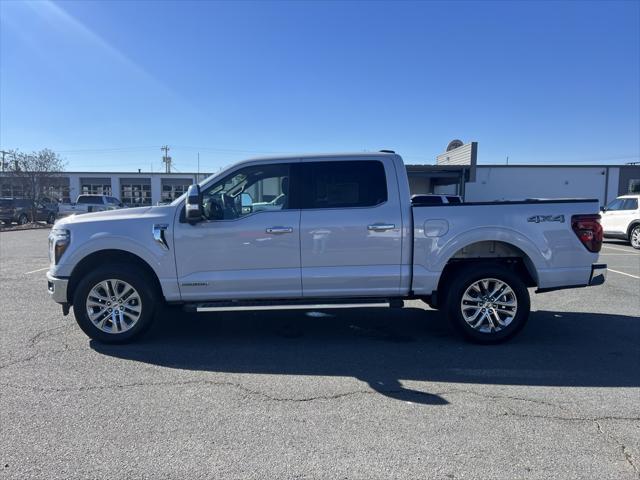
(193, 205)
(603, 209)
(246, 202)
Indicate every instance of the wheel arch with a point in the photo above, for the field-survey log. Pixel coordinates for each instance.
(632, 225)
(489, 252)
(109, 256)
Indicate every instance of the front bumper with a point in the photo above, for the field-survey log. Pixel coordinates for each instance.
(57, 288)
(598, 274)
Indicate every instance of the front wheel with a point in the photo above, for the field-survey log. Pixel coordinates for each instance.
(51, 219)
(114, 304)
(487, 303)
(23, 219)
(634, 237)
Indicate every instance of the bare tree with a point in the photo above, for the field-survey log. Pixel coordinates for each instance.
(34, 173)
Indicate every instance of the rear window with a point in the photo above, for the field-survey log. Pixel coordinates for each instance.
(630, 204)
(426, 200)
(86, 199)
(343, 184)
(454, 199)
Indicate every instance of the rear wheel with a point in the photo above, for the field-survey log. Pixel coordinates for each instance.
(51, 219)
(114, 304)
(634, 237)
(23, 219)
(487, 303)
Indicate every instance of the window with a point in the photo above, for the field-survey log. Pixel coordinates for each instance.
(343, 184)
(88, 199)
(615, 205)
(95, 187)
(113, 201)
(630, 204)
(454, 199)
(248, 190)
(135, 192)
(172, 189)
(634, 185)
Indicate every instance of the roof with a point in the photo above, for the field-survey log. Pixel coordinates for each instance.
(364, 155)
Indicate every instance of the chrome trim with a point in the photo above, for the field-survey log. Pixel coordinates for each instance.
(57, 288)
(381, 227)
(321, 306)
(158, 234)
(279, 230)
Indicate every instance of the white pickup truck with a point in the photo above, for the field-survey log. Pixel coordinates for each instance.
(88, 204)
(319, 232)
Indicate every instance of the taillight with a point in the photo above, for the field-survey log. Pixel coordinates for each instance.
(588, 230)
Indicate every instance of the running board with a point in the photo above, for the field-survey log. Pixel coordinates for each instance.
(316, 304)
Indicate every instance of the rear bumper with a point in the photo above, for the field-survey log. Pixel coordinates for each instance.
(598, 274)
(57, 288)
(597, 277)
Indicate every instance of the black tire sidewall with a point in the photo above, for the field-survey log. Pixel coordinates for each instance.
(51, 219)
(20, 222)
(637, 227)
(137, 280)
(472, 274)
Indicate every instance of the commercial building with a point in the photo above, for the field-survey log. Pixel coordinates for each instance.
(456, 172)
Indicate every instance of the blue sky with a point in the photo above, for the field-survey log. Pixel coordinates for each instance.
(107, 83)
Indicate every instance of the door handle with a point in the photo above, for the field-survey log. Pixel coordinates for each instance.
(381, 227)
(279, 230)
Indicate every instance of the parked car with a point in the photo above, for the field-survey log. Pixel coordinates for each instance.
(434, 199)
(621, 219)
(90, 203)
(345, 234)
(19, 210)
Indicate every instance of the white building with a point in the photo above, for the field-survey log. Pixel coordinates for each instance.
(473, 182)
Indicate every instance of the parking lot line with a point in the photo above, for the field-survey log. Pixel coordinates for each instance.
(34, 271)
(621, 249)
(623, 273)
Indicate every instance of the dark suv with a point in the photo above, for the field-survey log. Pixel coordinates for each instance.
(19, 210)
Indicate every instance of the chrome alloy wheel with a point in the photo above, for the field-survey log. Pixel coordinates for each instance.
(489, 305)
(114, 306)
(635, 237)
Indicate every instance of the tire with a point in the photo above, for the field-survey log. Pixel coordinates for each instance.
(634, 237)
(109, 326)
(51, 219)
(476, 319)
(23, 219)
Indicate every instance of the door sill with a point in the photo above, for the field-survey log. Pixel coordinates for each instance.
(296, 304)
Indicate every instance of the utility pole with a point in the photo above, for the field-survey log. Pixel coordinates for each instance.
(507, 159)
(166, 158)
(198, 174)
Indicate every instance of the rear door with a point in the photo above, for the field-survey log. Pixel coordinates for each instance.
(350, 228)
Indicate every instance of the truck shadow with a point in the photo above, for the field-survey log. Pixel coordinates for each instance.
(384, 347)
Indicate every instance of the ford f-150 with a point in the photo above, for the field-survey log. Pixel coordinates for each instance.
(319, 232)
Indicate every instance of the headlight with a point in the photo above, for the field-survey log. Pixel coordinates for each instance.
(59, 239)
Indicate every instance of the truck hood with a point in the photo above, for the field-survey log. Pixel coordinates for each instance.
(120, 215)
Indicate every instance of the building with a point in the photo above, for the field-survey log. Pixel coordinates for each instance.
(456, 172)
(133, 189)
(517, 182)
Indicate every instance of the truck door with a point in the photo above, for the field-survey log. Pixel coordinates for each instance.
(350, 227)
(248, 246)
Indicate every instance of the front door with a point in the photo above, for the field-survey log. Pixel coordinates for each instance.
(351, 224)
(248, 245)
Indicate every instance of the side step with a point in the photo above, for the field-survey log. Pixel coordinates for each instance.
(297, 304)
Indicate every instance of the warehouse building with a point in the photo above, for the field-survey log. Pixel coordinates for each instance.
(455, 172)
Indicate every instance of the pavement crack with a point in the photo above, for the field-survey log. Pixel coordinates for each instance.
(623, 448)
(238, 386)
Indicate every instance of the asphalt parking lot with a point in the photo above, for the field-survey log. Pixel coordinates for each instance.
(344, 394)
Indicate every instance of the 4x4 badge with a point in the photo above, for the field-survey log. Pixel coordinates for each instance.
(546, 218)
